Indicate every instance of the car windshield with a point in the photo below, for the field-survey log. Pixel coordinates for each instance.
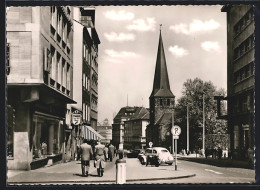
(164, 150)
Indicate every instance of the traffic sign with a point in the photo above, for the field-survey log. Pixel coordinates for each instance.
(175, 136)
(150, 144)
(176, 130)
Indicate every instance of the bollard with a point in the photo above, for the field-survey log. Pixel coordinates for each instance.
(120, 171)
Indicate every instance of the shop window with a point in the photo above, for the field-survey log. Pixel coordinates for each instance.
(10, 131)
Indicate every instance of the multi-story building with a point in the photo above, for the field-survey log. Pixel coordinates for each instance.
(105, 130)
(134, 129)
(39, 83)
(82, 116)
(123, 115)
(161, 103)
(240, 79)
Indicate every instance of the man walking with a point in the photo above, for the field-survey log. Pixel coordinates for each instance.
(111, 151)
(100, 158)
(86, 153)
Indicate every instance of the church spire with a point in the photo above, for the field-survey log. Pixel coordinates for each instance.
(161, 85)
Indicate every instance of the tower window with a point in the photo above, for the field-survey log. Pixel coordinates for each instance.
(168, 102)
(161, 102)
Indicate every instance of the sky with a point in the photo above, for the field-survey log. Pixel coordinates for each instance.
(194, 39)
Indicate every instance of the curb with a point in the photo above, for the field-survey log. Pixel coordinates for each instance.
(101, 182)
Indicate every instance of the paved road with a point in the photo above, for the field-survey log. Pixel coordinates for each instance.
(211, 174)
(70, 173)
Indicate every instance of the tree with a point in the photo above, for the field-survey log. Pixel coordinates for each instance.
(192, 95)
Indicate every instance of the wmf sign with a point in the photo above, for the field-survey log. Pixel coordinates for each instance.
(76, 117)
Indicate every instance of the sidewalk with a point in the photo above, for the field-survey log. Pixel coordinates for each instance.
(70, 173)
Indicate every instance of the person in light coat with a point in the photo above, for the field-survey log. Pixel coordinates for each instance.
(86, 153)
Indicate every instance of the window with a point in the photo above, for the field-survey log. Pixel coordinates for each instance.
(53, 61)
(83, 81)
(161, 102)
(63, 77)
(58, 68)
(84, 111)
(236, 137)
(10, 132)
(68, 76)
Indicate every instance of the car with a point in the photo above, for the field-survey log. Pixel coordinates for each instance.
(134, 153)
(162, 154)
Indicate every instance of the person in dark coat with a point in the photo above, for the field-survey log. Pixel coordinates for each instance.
(86, 153)
(111, 152)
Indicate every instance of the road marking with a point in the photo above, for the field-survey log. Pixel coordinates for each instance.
(213, 171)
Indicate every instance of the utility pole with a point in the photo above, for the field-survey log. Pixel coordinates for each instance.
(172, 135)
(188, 145)
(203, 133)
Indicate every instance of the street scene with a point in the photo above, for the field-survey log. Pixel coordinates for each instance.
(130, 94)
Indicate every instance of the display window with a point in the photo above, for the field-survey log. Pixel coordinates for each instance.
(47, 136)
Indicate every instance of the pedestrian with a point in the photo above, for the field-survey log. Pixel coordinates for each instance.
(106, 152)
(100, 158)
(111, 152)
(86, 153)
(219, 153)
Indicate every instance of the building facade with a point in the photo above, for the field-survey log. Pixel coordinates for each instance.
(240, 79)
(105, 130)
(80, 116)
(162, 103)
(134, 129)
(118, 126)
(39, 84)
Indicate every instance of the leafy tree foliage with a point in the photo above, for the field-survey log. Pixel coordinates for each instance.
(192, 97)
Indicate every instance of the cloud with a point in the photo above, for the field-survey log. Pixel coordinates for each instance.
(178, 51)
(143, 25)
(196, 26)
(120, 54)
(120, 15)
(210, 46)
(115, 37)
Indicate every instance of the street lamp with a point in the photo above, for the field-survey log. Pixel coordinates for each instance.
(188, 145)
(203, 125)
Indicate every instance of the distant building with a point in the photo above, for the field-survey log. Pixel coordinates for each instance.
(39, 84)
(123, 115)
(240, 79)
(134, 129)
(105, 129)
(162, 103)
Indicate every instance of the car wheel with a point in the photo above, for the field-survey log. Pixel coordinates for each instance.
(170, 164)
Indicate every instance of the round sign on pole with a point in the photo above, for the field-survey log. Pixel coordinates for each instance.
(150, 144)
(176, 130)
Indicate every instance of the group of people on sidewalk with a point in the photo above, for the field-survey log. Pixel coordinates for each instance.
(101, 154)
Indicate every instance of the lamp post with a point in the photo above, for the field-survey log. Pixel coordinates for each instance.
(203, 125)
(188, 145)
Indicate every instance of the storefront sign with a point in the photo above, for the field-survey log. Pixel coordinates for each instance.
(76, 119)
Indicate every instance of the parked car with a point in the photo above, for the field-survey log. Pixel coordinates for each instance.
(134, 153)
(162, 154)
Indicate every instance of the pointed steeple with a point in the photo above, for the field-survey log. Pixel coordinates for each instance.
(161, 85)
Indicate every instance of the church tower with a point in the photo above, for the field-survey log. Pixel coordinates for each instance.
(162, 99)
